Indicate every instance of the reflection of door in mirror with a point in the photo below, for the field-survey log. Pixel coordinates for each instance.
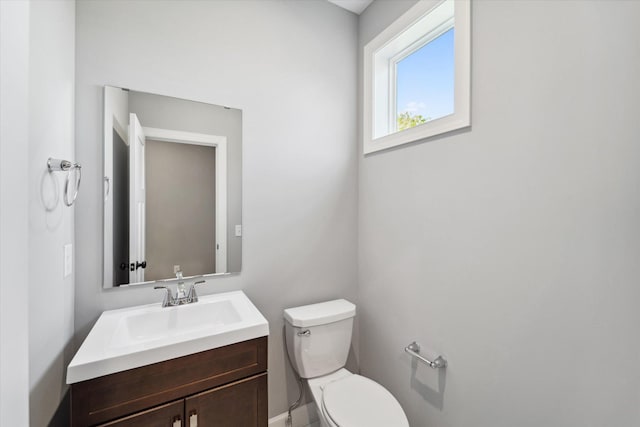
(137, 197)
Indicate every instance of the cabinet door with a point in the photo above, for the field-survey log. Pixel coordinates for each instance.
(239, 404)
(169, 415)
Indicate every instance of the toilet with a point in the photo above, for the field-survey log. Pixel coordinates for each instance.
(318, 340)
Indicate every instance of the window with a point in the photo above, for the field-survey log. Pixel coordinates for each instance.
(417, 75)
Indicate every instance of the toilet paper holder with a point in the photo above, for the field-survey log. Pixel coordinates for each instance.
(414, 350)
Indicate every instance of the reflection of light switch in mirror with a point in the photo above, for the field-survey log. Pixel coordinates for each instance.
(238, 230)
(176, 268)
(68, 260)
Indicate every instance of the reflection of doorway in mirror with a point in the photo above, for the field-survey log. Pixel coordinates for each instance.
(186, 215)
(181, 205)
(175, 212)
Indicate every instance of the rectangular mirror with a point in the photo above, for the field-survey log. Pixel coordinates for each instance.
(172, 188)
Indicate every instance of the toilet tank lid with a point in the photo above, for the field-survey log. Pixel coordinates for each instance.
(320, 314)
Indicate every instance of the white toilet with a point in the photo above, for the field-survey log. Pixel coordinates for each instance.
(318, 340)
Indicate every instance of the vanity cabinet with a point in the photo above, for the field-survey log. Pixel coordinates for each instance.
(226, 386)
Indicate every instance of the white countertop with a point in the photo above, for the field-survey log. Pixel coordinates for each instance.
(137, 336)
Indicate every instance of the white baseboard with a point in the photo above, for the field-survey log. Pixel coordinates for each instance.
(302, 416)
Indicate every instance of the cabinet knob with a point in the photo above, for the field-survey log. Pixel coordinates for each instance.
(177, 421)
(193, 419)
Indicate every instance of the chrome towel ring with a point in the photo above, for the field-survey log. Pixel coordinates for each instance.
(57, 165)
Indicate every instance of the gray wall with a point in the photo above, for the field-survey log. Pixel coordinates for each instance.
(290, 66)
(179, 114)
(180, 206)
(14, 213)
(51, 133)
(513, 248)
(37, 121)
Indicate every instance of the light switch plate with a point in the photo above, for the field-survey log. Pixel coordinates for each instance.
(68, 260)
(238, 230)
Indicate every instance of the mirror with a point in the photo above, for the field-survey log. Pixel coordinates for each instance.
(172, 188)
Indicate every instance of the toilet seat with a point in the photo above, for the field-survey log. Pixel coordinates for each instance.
(356, 401)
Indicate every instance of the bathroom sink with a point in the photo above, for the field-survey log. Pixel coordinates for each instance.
(151, 324)
(137, 336)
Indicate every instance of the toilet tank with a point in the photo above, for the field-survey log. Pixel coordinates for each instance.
(319, 336)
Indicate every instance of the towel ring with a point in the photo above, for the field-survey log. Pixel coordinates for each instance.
(56, 165)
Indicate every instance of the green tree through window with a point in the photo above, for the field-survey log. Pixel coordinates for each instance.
(407, 120)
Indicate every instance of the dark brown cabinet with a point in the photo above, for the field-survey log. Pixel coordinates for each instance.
(225, 386)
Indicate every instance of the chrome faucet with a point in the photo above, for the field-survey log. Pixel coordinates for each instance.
(180, 291)
(192, 295)
(181, 297)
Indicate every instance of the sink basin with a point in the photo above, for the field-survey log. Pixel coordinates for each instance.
(132, 337)
(153, 324)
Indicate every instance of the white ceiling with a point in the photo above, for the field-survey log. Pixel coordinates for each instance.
(355, 6)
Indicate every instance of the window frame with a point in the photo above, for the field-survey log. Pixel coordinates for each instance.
(395, 43)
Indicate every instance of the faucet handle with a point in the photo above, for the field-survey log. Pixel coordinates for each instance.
(193, 296)
(166, 302)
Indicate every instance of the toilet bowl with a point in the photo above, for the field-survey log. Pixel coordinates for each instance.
(344, 399)
(318, 339)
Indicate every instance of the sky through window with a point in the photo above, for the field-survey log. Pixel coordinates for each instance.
(425, 79)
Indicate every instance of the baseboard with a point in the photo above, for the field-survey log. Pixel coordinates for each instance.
(302, 416)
